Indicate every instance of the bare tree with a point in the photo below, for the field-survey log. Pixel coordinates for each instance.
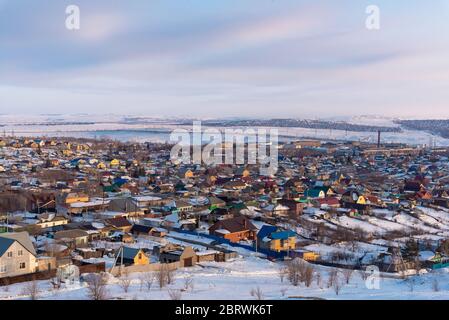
(337, 285)
(170, 274)
(282, 272)
(96, 286)
(417, 265)
(293, 268)
(308, 275)
(318, 278)
(410, 283)
(147, 280)
(257, 293)
(125, 283)
(283, 291)
(363, 274)
(435, 285)
(31, 289)
(300, 271)
(175, 294)
(188, 283)
(163, 276)
(333, 276)
(56, 283)
(347, 274)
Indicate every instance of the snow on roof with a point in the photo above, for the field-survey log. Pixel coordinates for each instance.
(92, 231)
(112, 214)
(90, 203)
(281, 207)
(426, 255)
(53, 247)
(172, 218)
(206, 252)
(98, 225)
(222, 231)
(146, 198)
(153, 219)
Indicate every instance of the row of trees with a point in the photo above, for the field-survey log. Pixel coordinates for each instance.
(299, 272)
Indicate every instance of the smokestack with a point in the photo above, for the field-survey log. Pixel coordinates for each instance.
(378, 139)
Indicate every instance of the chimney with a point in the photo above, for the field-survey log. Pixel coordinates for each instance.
(378, 139)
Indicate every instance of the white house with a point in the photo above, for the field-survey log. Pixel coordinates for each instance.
(17, 254)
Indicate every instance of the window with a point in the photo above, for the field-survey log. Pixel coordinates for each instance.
(9, 254)
(20, 253)
(22, 265)
(2, 269)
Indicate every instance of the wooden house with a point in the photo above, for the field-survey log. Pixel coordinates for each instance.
(131, 257)
(234, 229)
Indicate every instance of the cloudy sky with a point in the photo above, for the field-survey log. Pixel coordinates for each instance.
(225, 58)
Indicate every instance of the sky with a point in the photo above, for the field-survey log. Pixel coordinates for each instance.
(225, 58)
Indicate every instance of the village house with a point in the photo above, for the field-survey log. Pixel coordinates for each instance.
(50, 220)
(276, 239)
(74, 238)
(131, 257)
(234, 229)
(17, 255)
(186, 256)
(76, 197)
(119, 223)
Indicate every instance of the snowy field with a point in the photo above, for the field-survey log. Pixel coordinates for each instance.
(236, 279)
(156, 130)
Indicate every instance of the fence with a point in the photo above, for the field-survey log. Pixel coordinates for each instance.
(117, 270)
(45, 275)
(92, 268)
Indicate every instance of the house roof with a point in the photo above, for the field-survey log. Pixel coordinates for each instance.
(216, 201)
(282, 234)
(5, 243)
(273, 232)
(313, 193)
(412, 186)
(7, 239)
(182, 204)
(328, 201)
(128, 253)
(237, 224)
(118, 222)
(71, 234)
(266, 231)
(141, 228)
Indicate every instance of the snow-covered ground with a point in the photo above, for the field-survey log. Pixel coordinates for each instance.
(354, 223)
(236, 279)
(114, 126)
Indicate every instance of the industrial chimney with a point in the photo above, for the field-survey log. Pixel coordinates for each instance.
(378, 139)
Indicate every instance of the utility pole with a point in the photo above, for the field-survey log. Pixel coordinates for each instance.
(121, 260)
(120, 253)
